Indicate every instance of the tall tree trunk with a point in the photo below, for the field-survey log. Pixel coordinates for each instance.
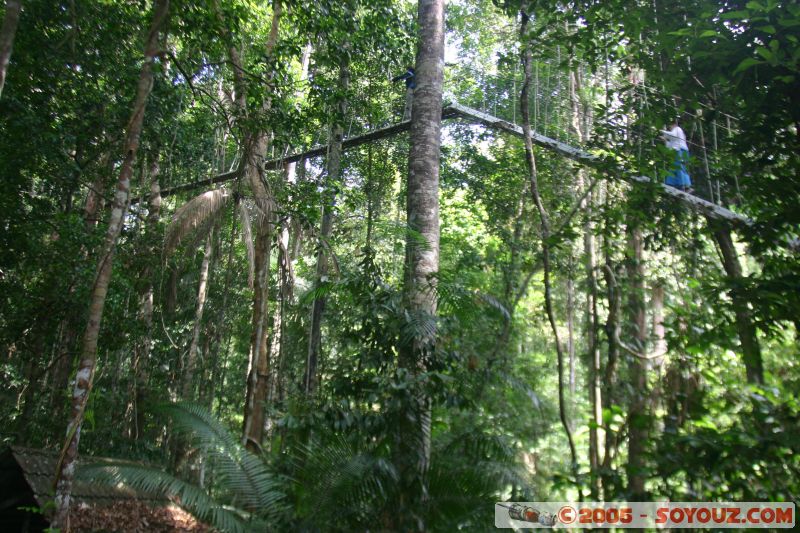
(257, 141)
(86, 367)
(608, 396)
(221, 329)
(7, 33)
(638, 416)
(422, 261)
(578, 127)
(746, 329)
(187, 385)
(329, 199)
(258, 373)
(285, 258)
(141, 364)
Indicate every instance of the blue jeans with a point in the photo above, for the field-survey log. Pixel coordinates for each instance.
(678, 177)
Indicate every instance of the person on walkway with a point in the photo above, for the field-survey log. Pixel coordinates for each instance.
(675, 139)
(411, 84)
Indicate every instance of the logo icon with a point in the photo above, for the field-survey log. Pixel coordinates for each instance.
(523, 513)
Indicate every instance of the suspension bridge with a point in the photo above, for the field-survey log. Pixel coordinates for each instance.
(496, 110)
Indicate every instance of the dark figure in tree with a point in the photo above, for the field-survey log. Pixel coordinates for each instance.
(411, 84)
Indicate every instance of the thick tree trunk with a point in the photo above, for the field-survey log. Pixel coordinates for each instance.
(746, 329)
(86, 366)
(422, 261)
(258, 373)
(638, 417)
(7, 33)
(255, 152)
(332, 179)
(187, 380)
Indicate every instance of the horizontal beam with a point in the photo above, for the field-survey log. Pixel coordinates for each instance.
(318, 151)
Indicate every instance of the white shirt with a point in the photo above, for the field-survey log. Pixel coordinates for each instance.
(675, 138)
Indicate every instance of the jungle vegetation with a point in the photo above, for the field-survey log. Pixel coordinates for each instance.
(406, 325)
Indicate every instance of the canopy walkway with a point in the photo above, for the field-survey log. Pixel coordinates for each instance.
(493, 104)
(454, 110)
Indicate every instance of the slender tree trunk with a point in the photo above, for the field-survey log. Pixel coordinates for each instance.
(329, 199)
(422, 261)
(746, 329)
(659, 333)
(94, 197)
(141, 364)
(221, 328)
(27, 398)
(638, 416)
(594, 367)
(578, 127)
(63, 366)
(571, 328)
(545, 226)
(71, 324)
(7, 33)
(285, 258)
(187, 385)
(86, 367)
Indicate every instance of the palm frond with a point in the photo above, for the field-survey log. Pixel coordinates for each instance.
(190, 216)
(243, 474)
(419, 326)
(344, 481)
(155, 480)
(247, 238)
(456, 298)
(390, 228)
(468, 471)
(321, 290)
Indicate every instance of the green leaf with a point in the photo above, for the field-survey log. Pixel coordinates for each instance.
(746, 64)
(739, 15)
